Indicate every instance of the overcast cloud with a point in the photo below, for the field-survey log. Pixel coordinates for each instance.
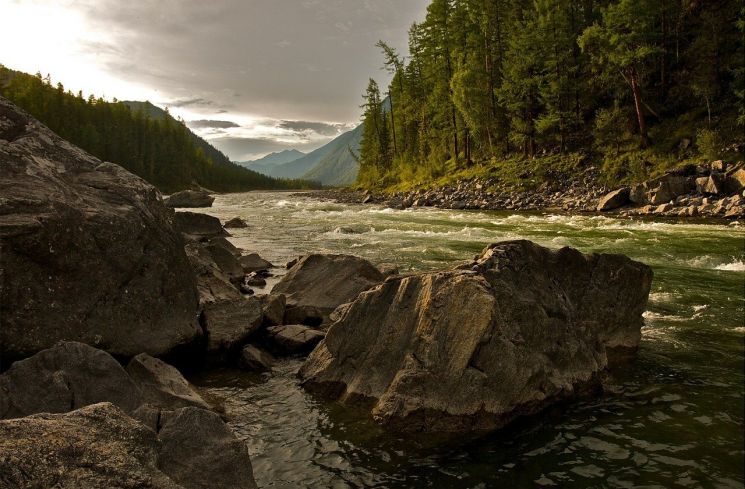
(298, 67)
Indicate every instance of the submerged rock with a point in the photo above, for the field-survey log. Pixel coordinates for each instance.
(189, 198)
(327, 281)
(236, 223)
(89, 251)
(474, 348)
(255, 359)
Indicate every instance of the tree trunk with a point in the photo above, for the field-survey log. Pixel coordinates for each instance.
(393, 124)
(638, 105)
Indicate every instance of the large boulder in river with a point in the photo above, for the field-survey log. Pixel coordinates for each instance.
(163, 385)
(229, 324)
(88, 251)
(197, 226)
(212, 283)
(68, 376)
(99, 446)
(472, 349)
(325, 282)
(189, 199)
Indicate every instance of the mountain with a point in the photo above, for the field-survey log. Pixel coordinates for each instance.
(331, 164)
(272, 159)
(138, 136)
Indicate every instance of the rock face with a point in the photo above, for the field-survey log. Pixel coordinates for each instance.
(189, 198)
(94, 447)
(162, 385)
(327, 281)
(99, 446)
(199, 451)
(475, 348)
(68, 376)
(88, 251)
(614, 200)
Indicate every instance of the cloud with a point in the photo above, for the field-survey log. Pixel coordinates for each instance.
(204, 123)
(322, 128)
(247, 149)
(191, 102)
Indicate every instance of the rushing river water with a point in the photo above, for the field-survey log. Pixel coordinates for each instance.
(673, 418)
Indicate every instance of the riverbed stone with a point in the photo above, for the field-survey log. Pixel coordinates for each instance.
(254, 263)
(327, 281)
(229, 324)
(235, 223)
(475, 348)
(273, 308)
(614, 200)
(89, 251)
(189, 199)
(294, 338)
(255, 359)
(213, 285)
(67, 376)
(198, 226)
(226, 261)
(163, 385)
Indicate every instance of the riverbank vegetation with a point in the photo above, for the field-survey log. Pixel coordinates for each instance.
(502, 88)
(138, 136)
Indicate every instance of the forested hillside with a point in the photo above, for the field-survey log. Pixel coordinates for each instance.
(631, 86)
(158, 148)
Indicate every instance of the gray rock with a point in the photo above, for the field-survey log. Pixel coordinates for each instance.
(227, 262)
(254, 280)
(668, 187)
(229, 324)
(94, 447)
(735, 181)
(212, 283)
(614, 200)
(254, 263)
(199, 451)
(89, 251)
(306, 315)
(388, 269)
(198, 226)
(638, 194)
(475, 348)
(294, 338)
(714, 184)
(189, 198)
(274, 309)
(255, 359)
(327, 281)
(236, 223)
(67, 376)
(222, 242)
(162, 385)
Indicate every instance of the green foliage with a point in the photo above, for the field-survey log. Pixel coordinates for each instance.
(709, 143)
(146, 141)
(625, 82)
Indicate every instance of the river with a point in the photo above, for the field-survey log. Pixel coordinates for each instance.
(672, 418)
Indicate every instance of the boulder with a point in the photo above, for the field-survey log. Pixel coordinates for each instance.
(388, 269)
(235, 223)
(255, 359)
(162, 385)
(198, 226)
(254, 263)
(68, 376)
(327, 281)
(274, 309)
(89, 251)
(189, 199)
(614, 200)
(212, 283)
(668, 187)
(718, 166)
(223, 243)
(199, 451)
(100, 446)
(294, 338)
(94, 447)
(253, 279)
(713, 185)
(229, 324)
(638, 194)
(474, 348)
(227, 262)
(305, 315)
(735, 181)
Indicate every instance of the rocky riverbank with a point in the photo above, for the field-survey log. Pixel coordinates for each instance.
(107, 295)
(715, 190)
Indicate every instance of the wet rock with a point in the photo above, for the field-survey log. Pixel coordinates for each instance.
(229, 324)
(326, 281)
(95, 447)
(255, 359)
(162, 385)
(89, 251)
(235, 223)
(274, 309)
(223, 243)
(198, 226)
(254, 280)
(189, 198)
(227, 262)
(199, 451)
(294, 338)
(614, 200)
(67, 376)
(254, 263)
(473, 349)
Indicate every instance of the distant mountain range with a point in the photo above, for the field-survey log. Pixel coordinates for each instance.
(333, 164)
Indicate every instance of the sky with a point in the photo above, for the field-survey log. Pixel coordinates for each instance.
(250, 76)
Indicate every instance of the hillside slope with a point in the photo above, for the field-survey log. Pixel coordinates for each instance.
(271, 160)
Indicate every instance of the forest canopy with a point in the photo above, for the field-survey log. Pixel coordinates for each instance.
(634, 85)
(160, 149)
